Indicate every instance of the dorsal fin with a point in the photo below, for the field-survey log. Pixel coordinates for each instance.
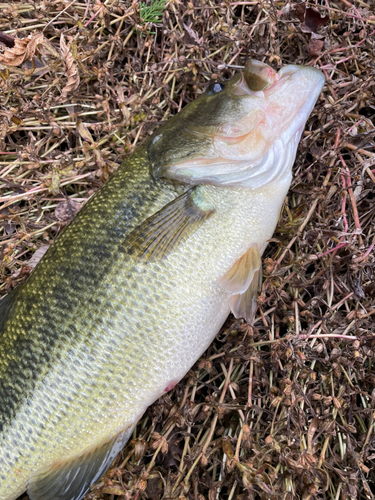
(70, 480)
(244, 279)
(6, 307)
(163, 231)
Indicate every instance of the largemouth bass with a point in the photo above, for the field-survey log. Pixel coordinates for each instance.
(139, 283)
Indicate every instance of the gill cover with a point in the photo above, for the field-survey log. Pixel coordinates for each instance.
(244, 133)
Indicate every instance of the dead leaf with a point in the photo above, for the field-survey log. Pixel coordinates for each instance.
(38, 66)
(99, 6)
(315, 47)
(310, 18)
(310, 435)
(227, 448)
(66, 210)
(22, 50)
(85, 133)
(159, 440)
(9, 228)
(38, 254)
(190, 36)
(71, 69)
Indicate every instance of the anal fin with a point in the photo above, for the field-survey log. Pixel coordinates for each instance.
(244, 305)
(70, 480)
(244, 280)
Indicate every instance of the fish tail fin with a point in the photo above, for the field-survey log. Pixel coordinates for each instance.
(70, 480)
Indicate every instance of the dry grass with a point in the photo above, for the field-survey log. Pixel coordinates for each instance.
(281, 410)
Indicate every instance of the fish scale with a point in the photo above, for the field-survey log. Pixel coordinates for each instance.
(107, 323)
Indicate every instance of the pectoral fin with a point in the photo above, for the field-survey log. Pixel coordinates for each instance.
(160, 233)
(71, 480)
(244, 280)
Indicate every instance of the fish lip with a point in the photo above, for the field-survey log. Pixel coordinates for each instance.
(287, 73)
(314, 84)
(315, 87)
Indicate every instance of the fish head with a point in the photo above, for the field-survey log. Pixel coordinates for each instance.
(242, 133)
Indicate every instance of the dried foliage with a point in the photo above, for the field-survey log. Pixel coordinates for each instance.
(281, 410)
(15, 52)
(71, 70)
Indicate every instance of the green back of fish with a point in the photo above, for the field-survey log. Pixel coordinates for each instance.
(54, 309)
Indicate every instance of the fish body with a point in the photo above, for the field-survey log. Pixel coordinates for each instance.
(139, 283)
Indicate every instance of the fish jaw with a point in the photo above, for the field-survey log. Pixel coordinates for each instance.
(261, 143)
(298, 87)
(285, 104)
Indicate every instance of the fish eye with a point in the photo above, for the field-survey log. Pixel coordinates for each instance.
(215, 88)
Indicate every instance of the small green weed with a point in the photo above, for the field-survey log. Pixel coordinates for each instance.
(153, 12)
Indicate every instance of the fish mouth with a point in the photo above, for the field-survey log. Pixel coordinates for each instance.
(300, 85)
(260, 79)
(311, 81)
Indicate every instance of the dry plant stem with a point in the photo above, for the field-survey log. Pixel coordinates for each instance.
(351, 195)
(249, 394)
(221, 400)
(328, 335)
(165, 435)
(214, 422)
(187, 440)
(304, 224)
